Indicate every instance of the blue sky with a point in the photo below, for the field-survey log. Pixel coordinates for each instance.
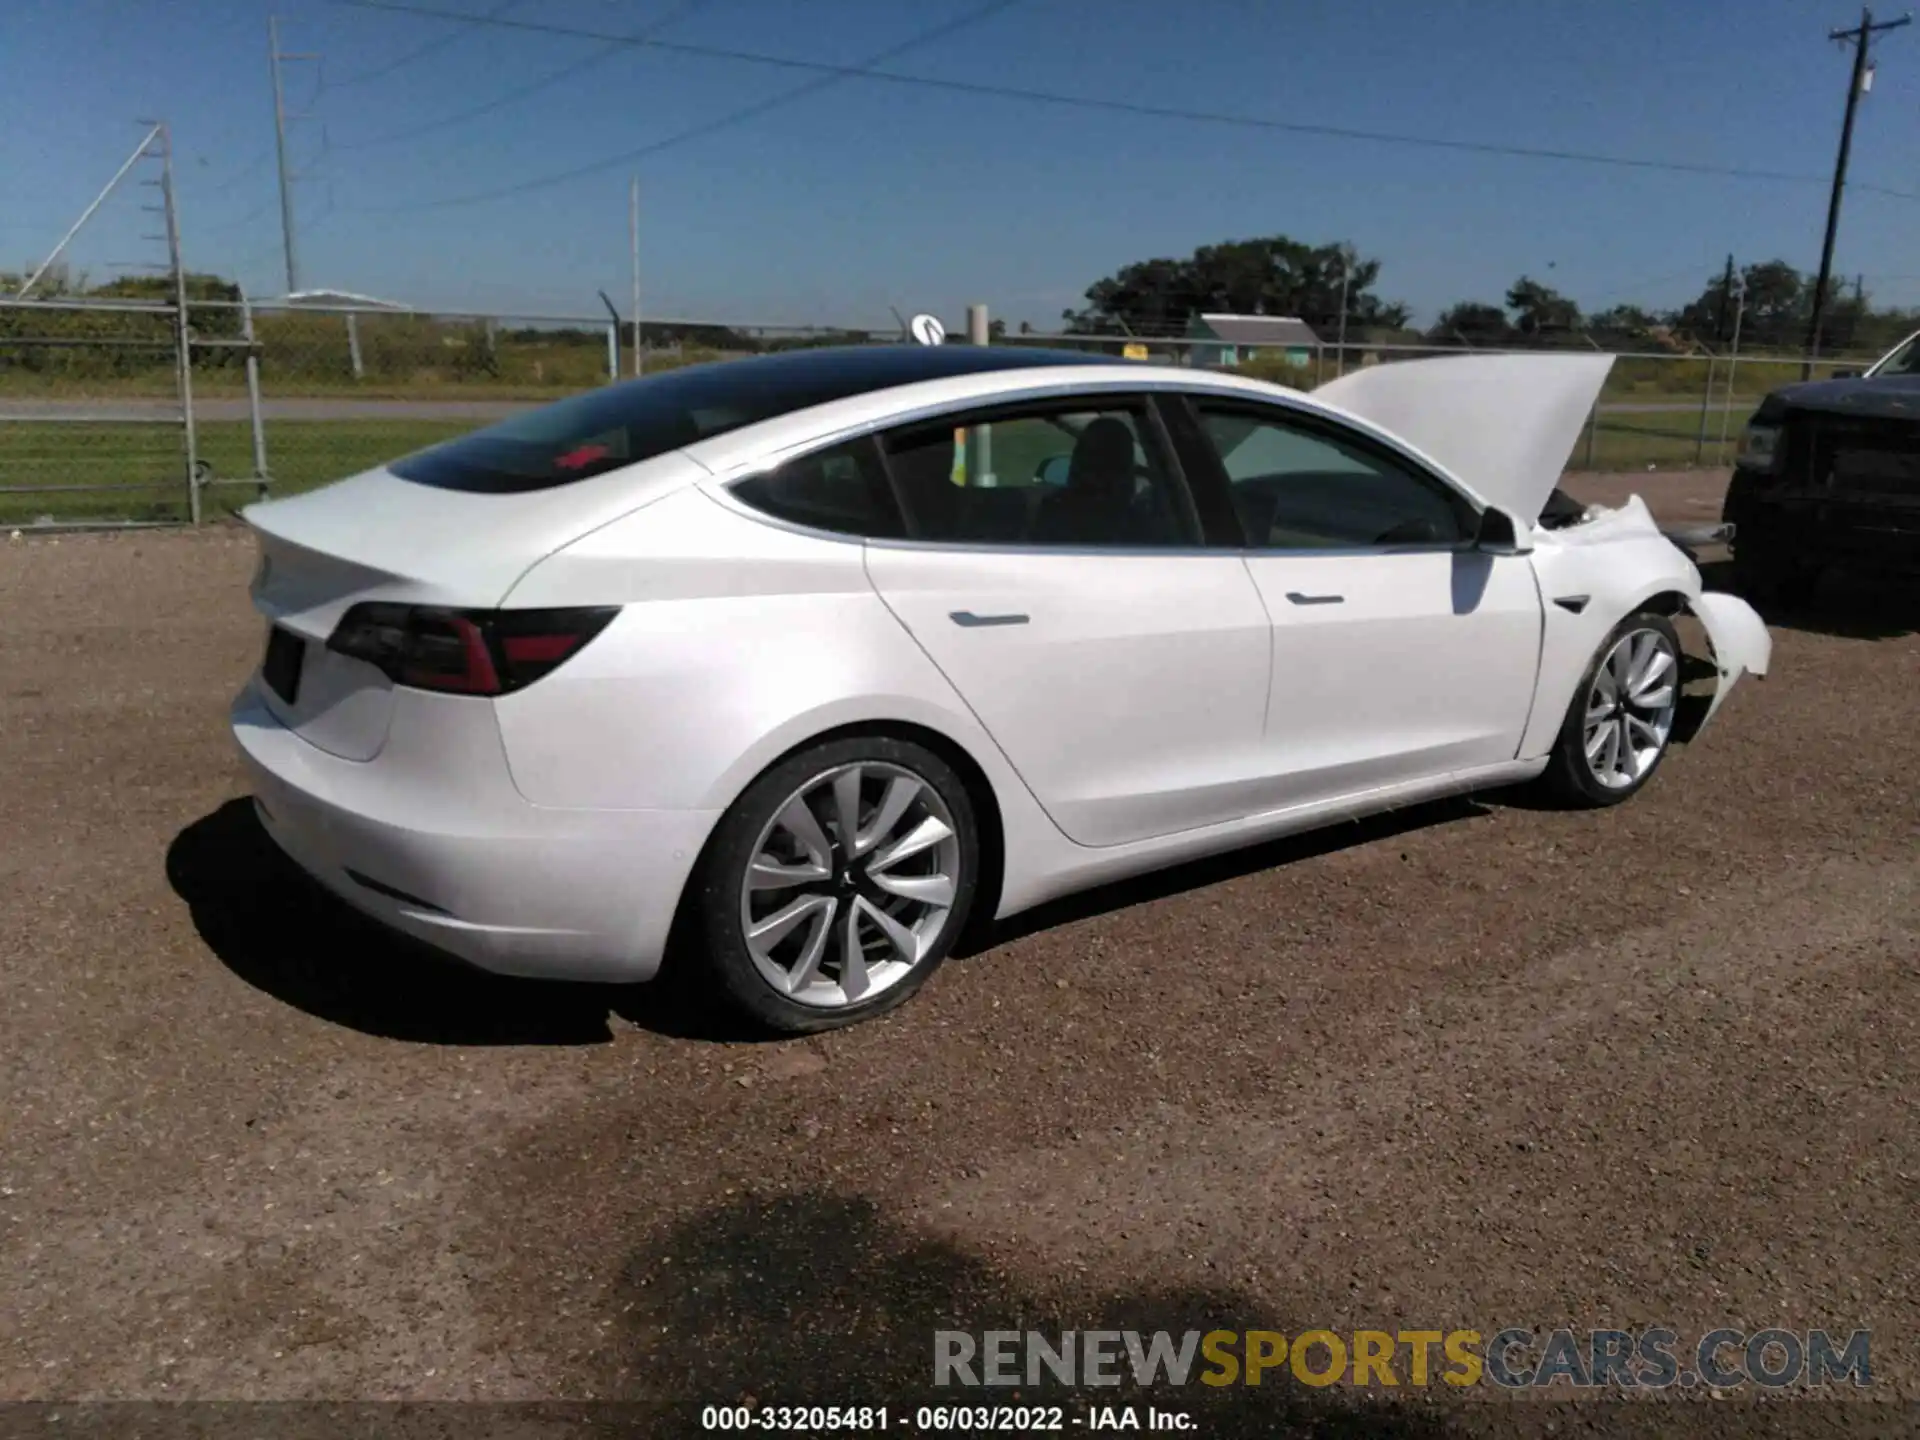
(865, 195)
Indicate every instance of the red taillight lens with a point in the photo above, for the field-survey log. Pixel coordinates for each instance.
(465, 652)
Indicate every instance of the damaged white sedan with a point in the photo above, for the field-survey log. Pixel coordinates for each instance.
(811, 659)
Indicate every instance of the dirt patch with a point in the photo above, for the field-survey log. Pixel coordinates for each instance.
(1476, 1064)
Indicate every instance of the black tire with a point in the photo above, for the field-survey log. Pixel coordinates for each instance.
(1570, 778)
(728, 960)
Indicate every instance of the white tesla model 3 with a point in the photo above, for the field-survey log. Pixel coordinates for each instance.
(828, 651)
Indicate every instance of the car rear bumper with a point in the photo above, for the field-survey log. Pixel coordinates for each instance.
(431, 839)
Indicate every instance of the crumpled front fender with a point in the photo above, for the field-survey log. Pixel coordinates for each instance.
(1741, 644)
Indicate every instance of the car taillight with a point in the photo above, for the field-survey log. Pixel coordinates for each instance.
(465, 652)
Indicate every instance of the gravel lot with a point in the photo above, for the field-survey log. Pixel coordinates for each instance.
(1475, 1065)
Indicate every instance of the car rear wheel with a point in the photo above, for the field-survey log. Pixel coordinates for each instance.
(1620, 723)
(838, 883)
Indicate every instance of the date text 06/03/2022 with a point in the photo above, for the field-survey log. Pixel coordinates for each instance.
(940, 1419)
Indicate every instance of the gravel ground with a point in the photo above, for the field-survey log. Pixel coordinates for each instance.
(1475, 1065)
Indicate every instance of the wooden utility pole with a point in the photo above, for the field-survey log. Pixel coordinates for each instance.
(1861, 37)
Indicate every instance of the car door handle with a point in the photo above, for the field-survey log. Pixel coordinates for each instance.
(971, 620)
(1297, 598)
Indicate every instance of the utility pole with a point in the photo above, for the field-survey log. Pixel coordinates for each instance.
(633, 233)
(1726, 299)
(182, 323)
(274, 59)
(1733, 364)
(1861, 37)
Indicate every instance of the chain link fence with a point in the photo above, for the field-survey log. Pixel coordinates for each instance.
(125, 412)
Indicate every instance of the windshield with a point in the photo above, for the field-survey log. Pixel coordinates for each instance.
(1904, 359)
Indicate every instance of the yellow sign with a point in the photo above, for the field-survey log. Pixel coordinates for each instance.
(1133, 350)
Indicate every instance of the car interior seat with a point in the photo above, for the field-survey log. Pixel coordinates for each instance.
(1095, 506)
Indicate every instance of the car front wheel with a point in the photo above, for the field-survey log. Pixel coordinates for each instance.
(838, 882)
(1621, 720)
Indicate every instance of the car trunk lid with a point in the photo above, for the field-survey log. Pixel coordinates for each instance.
(377, 537)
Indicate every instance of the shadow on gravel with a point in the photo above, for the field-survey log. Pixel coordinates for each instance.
(813, 1298)
(1843, 606)
(817, 1299)
(283, 934)
(1198, 874)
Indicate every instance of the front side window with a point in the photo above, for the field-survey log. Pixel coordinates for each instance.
(1298, 487)
(842, 489)
(1075, 476)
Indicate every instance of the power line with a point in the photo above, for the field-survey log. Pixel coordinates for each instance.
(221, 227)
(245, 172)
(1641, 287)
(785, 97)
(433, 46)
(607, 52)
(1128, 107)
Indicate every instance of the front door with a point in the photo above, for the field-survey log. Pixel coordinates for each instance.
(1400, 652)
(1122, 668)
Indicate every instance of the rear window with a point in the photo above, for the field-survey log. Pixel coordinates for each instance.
(602, 430)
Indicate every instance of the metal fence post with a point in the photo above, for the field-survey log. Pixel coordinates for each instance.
(254, 415)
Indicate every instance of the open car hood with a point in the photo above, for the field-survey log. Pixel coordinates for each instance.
(1503, 425)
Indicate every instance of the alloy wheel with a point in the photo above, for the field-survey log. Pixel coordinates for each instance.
(850, 884)
(1630, 708)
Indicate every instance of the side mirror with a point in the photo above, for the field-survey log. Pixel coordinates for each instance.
(1053, 470)
(1500, 535)
(1847, 374)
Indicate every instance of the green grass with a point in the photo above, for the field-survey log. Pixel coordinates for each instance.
(1664, 441)
(145, 466)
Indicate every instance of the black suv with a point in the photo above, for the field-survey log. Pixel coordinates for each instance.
(1828, 476)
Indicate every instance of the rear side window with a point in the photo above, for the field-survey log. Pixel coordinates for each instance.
(575, 439)
(843, 490)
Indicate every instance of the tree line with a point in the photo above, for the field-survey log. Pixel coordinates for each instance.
(1278, 275)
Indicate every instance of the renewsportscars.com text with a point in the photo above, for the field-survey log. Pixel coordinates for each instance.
(1513, 1358)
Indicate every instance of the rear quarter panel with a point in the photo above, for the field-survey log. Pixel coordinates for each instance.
(738, 641)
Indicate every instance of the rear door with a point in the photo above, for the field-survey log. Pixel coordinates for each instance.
(1056, 575)
(1400, 651)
